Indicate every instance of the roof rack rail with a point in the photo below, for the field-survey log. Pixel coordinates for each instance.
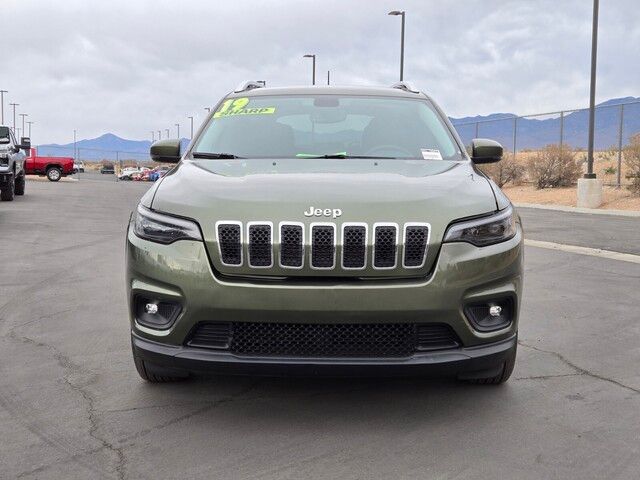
(249, 85)
(406, 86)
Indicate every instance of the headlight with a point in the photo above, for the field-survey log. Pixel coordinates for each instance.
(166, 229)
(484, 231)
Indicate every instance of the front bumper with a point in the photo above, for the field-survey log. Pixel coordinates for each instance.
(471, 362)
(463, 274)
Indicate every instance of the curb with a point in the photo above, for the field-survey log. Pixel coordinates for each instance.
(593, 211)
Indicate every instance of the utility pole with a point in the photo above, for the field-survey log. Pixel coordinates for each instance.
(14, 105)
(30, 123)
(589, 186)
(401, 13)
(191, 119)
(592, 90)
(23, 115)
(178, 127)
(2, 92)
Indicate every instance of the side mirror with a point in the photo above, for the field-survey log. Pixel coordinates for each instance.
(165, 151)
(25, 143)
(484, 150)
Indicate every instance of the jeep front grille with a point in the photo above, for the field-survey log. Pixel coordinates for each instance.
(291, 246)
(385, 246)
(415, 245)
(260, 242)
(230, 243)
(367, 340)
(323, 246)
(354, 246)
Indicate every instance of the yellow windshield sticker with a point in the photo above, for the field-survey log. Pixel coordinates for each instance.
(239, 106)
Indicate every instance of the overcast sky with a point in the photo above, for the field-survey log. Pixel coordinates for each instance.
(132, 66)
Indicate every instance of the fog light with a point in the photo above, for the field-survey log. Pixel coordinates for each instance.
(155, 313)
(491, 315)
(152, 308)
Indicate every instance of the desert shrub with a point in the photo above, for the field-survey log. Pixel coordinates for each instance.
(632, 159)
(505, 171)
(553, 167)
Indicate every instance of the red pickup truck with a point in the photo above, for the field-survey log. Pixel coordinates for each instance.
(53, 167)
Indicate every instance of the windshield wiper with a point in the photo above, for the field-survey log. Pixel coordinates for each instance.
(214, 155)
(339, 155)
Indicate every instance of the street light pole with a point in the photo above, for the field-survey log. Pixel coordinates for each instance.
(74, 145)
(592, 92)
(168, 134)
(402, 14)
(328, 77)
(178, 127)
(208, 109)
(2, 92)
(313, 77)
(153, 136)
(159, 135)
(14, 105)
(191, 119)
(30, 123)
(23, 115)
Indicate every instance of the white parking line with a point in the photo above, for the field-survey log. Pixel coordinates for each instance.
(594, 252)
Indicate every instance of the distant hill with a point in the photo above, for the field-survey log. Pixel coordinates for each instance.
(536, 132)
(107, 146)
(533, 132)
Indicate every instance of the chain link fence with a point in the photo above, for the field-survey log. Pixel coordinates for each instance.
(615, 123)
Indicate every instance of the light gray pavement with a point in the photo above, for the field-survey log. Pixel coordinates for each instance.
(72, 405)
(617, 233)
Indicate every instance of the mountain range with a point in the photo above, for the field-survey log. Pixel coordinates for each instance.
(532, 132)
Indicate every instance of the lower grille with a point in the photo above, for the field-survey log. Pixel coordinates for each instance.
(370, 340)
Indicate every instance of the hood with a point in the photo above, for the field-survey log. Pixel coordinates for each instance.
(362, 191)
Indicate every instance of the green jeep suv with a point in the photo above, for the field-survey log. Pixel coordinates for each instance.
(325, 231)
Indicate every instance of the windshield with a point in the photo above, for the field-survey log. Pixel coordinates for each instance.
(327, 125)
(4, 135)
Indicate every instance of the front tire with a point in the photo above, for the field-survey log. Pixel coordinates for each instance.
(54, 174)
(20, 184)
(6, 194)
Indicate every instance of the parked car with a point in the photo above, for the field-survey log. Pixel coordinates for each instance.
(53, 167)
(158, 172)
(12, 160)
(377, 247)
(78, 167)
(128, 173)
(107, 168)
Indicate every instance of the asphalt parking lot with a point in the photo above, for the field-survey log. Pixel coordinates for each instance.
(72, 405)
